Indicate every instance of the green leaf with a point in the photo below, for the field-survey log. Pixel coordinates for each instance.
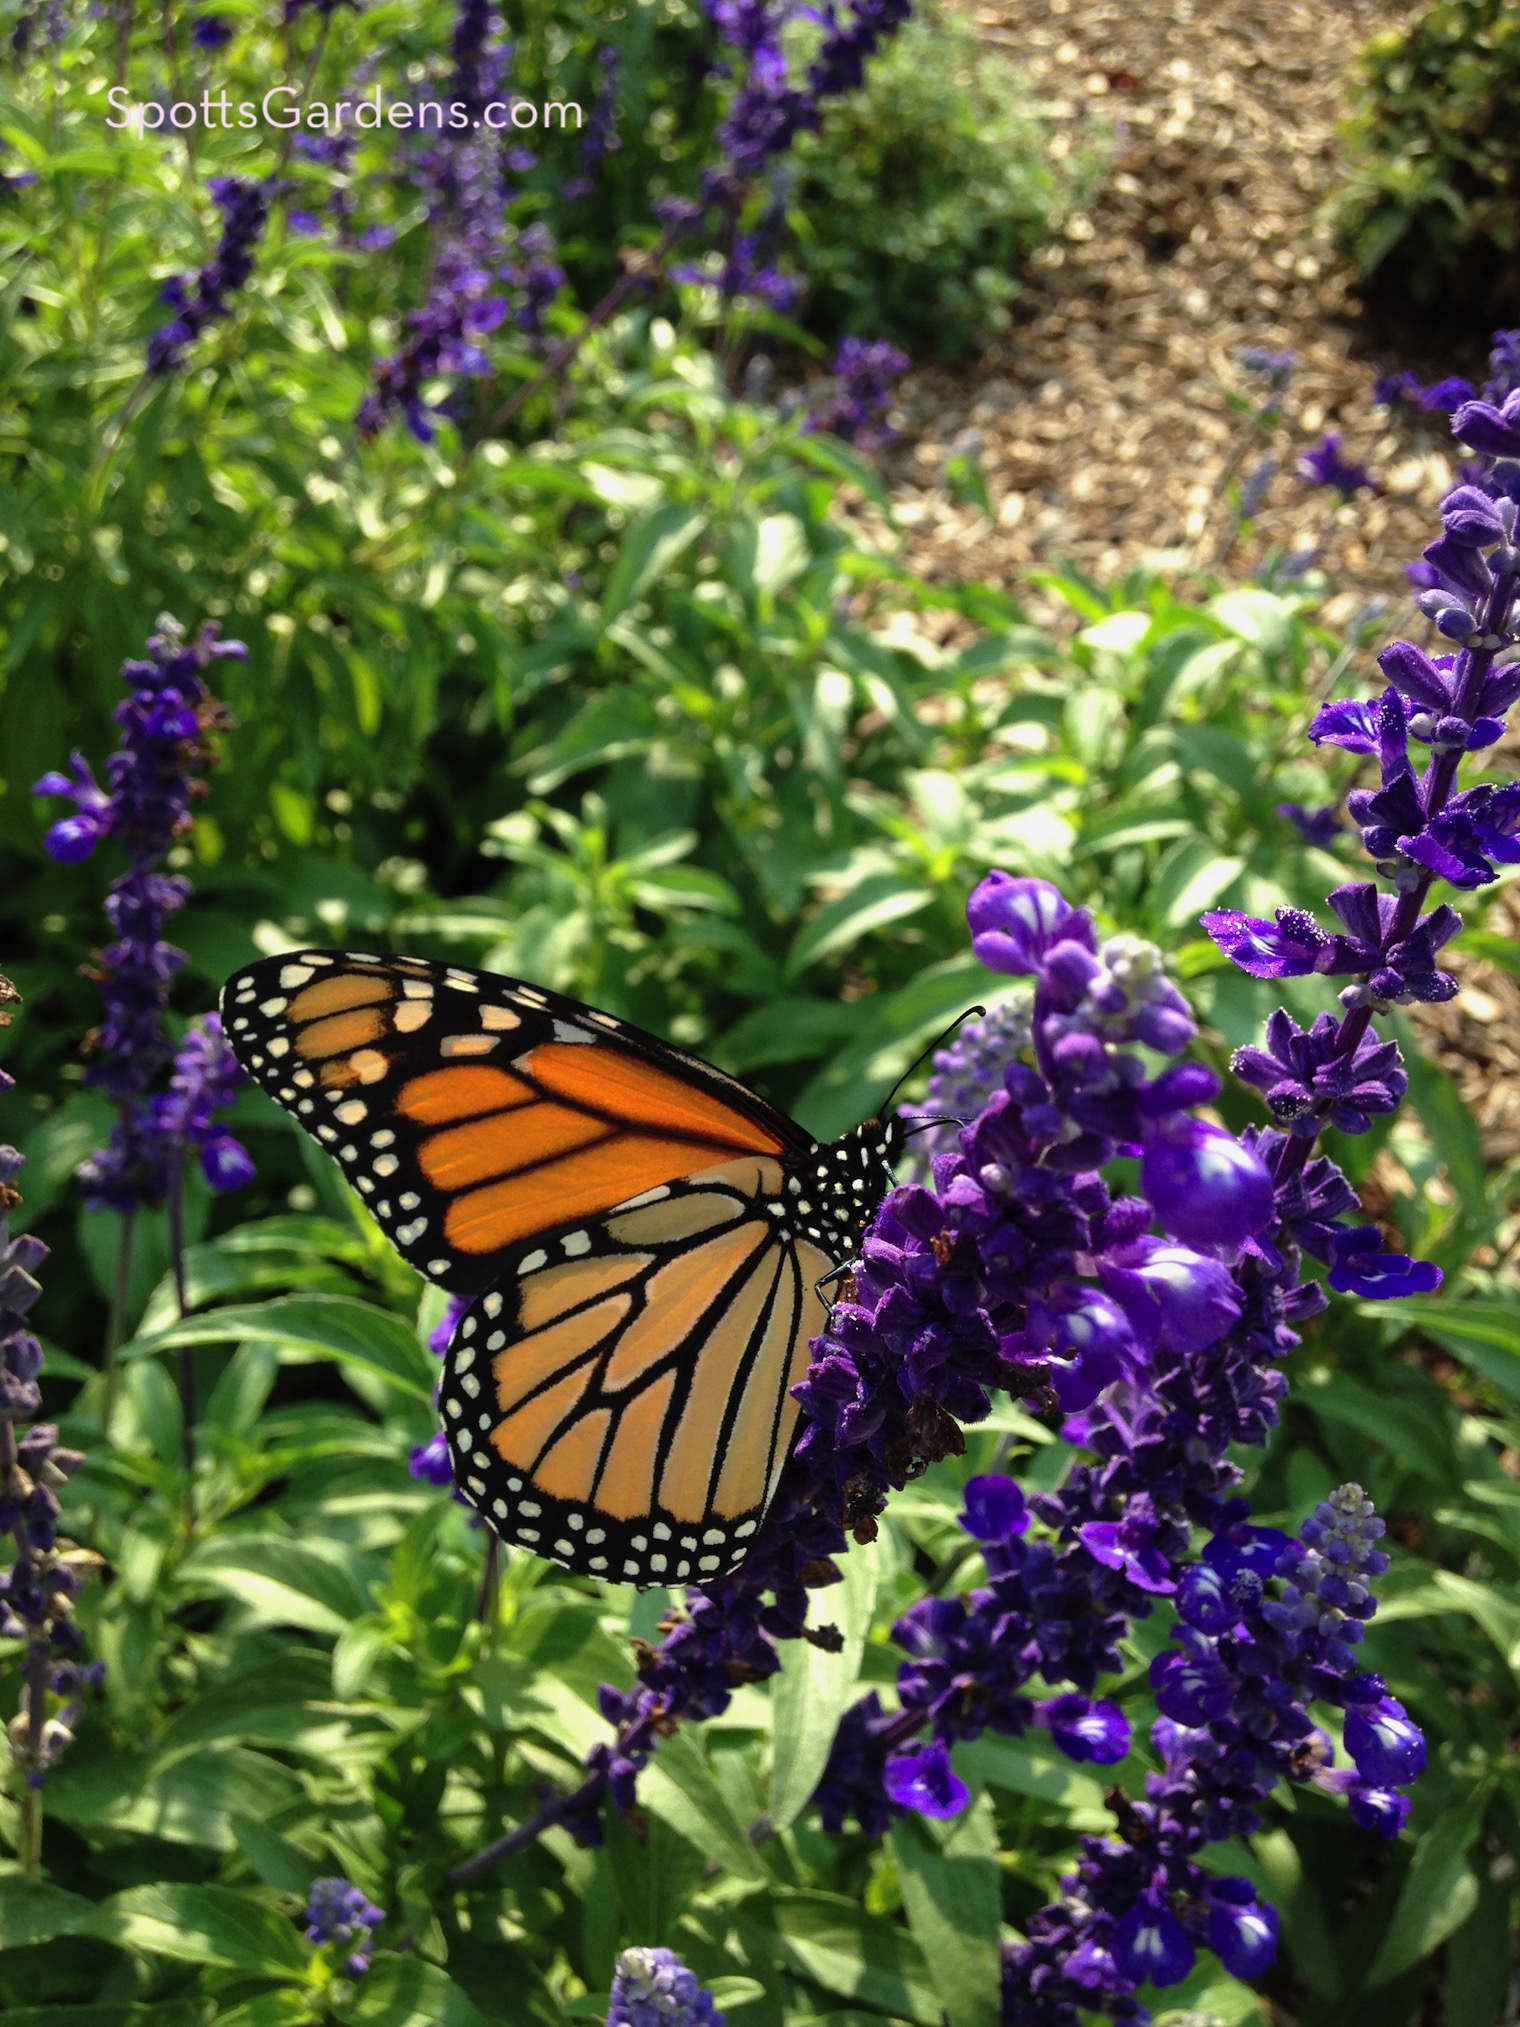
(205, 1925)
(190, 1801)
(1452, 1128)
(1478, 1956)
(33, 1912)
(274, 1858)
(1482, 1331)
(870, 904)
(307, 1328)
(857, 1955)
(813, 1687)
(283, 1583)
(405, 1992)
(650, 546)
(950, 1888)
(679, 1786)
(1439, 1893)
(1266, 621)
(1013, 1765)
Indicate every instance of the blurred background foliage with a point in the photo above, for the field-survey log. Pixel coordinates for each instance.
(638, 700)
(1429, 202)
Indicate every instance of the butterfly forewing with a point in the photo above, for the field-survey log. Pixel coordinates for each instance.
(473, 1112)
(644, 1234)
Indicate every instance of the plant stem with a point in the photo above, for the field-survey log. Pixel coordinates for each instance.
(186, 1352)
(116, 1329)
(485, 1600)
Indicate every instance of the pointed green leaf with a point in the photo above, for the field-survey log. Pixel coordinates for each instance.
(406, 1992)
(950, 1888)
(679, 1786)
(306, 1328)
(31, 1911)
(1439, 1893)
(809, 1695)
(205, 1925)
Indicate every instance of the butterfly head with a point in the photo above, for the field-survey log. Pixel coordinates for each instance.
(845, 1182)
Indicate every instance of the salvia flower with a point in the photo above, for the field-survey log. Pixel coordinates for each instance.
(1236, 1692)
(340, 1913)
(155, 776)
(856, 400)
(38, 1589)
(1325, 466)
(965, 1074)
(208, 296)
(653, 1988)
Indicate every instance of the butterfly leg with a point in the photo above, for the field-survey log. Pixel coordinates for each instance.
(827, 1280)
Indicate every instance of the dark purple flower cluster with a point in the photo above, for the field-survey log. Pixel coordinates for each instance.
(1324, 466)
(155, 776)
(1235, 1693)
(855, 400)
(340, 1912)
(206, 297)
(600, 137)
(38, 1589)
(653, 1988)
(430, 1462)
(485, 268)
(772, 107)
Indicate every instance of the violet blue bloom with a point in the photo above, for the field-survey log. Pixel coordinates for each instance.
(653, 1988)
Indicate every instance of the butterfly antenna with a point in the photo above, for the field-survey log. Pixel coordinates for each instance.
(971, 1013)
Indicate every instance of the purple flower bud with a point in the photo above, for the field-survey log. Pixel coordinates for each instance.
(924, 1780)
(1014, 922)
(1241, 1933)
(1096, 1732)
(1389, 1749)
(1383, 1277)
(1151, 1946)
(1379, 1810)
(1206, 1188)
(995, 1509)
(430, 1463)
(226, 1162)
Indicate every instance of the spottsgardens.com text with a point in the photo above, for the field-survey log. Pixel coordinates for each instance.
(281, 106)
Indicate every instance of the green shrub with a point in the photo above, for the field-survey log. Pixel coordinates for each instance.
(1431, 194)
(925, 194)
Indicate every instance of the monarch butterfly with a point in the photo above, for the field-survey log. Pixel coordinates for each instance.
(645, 1236)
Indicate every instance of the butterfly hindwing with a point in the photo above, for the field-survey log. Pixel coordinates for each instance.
(475, 1114)
(621, 1400)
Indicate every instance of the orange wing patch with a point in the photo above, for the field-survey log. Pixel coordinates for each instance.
(581, 1185)
(337, 995)
(626, 1089)
(438, 1096)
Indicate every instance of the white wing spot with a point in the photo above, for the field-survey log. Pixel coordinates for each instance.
(368, 1065)
(576, 1243)
(492, 1304)
(464, 1359)
(417, 988)
(407, 1233)
(596, 1534)
(498, 1019)
(410, 1015)
(453, 1407)
(386, 1164)
(527, 1535)
(327, 1133)
(381, 1139)
(352, 1112)
(568, 1032)
(470, 1384)
(295, 974)
(528, 1264)
(532, 1510)
(496, 1340)
(438, 1266)
(279, 1045)
(274, 1006)
(660, 1531)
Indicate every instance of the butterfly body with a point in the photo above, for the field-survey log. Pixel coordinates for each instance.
(642, 1238)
